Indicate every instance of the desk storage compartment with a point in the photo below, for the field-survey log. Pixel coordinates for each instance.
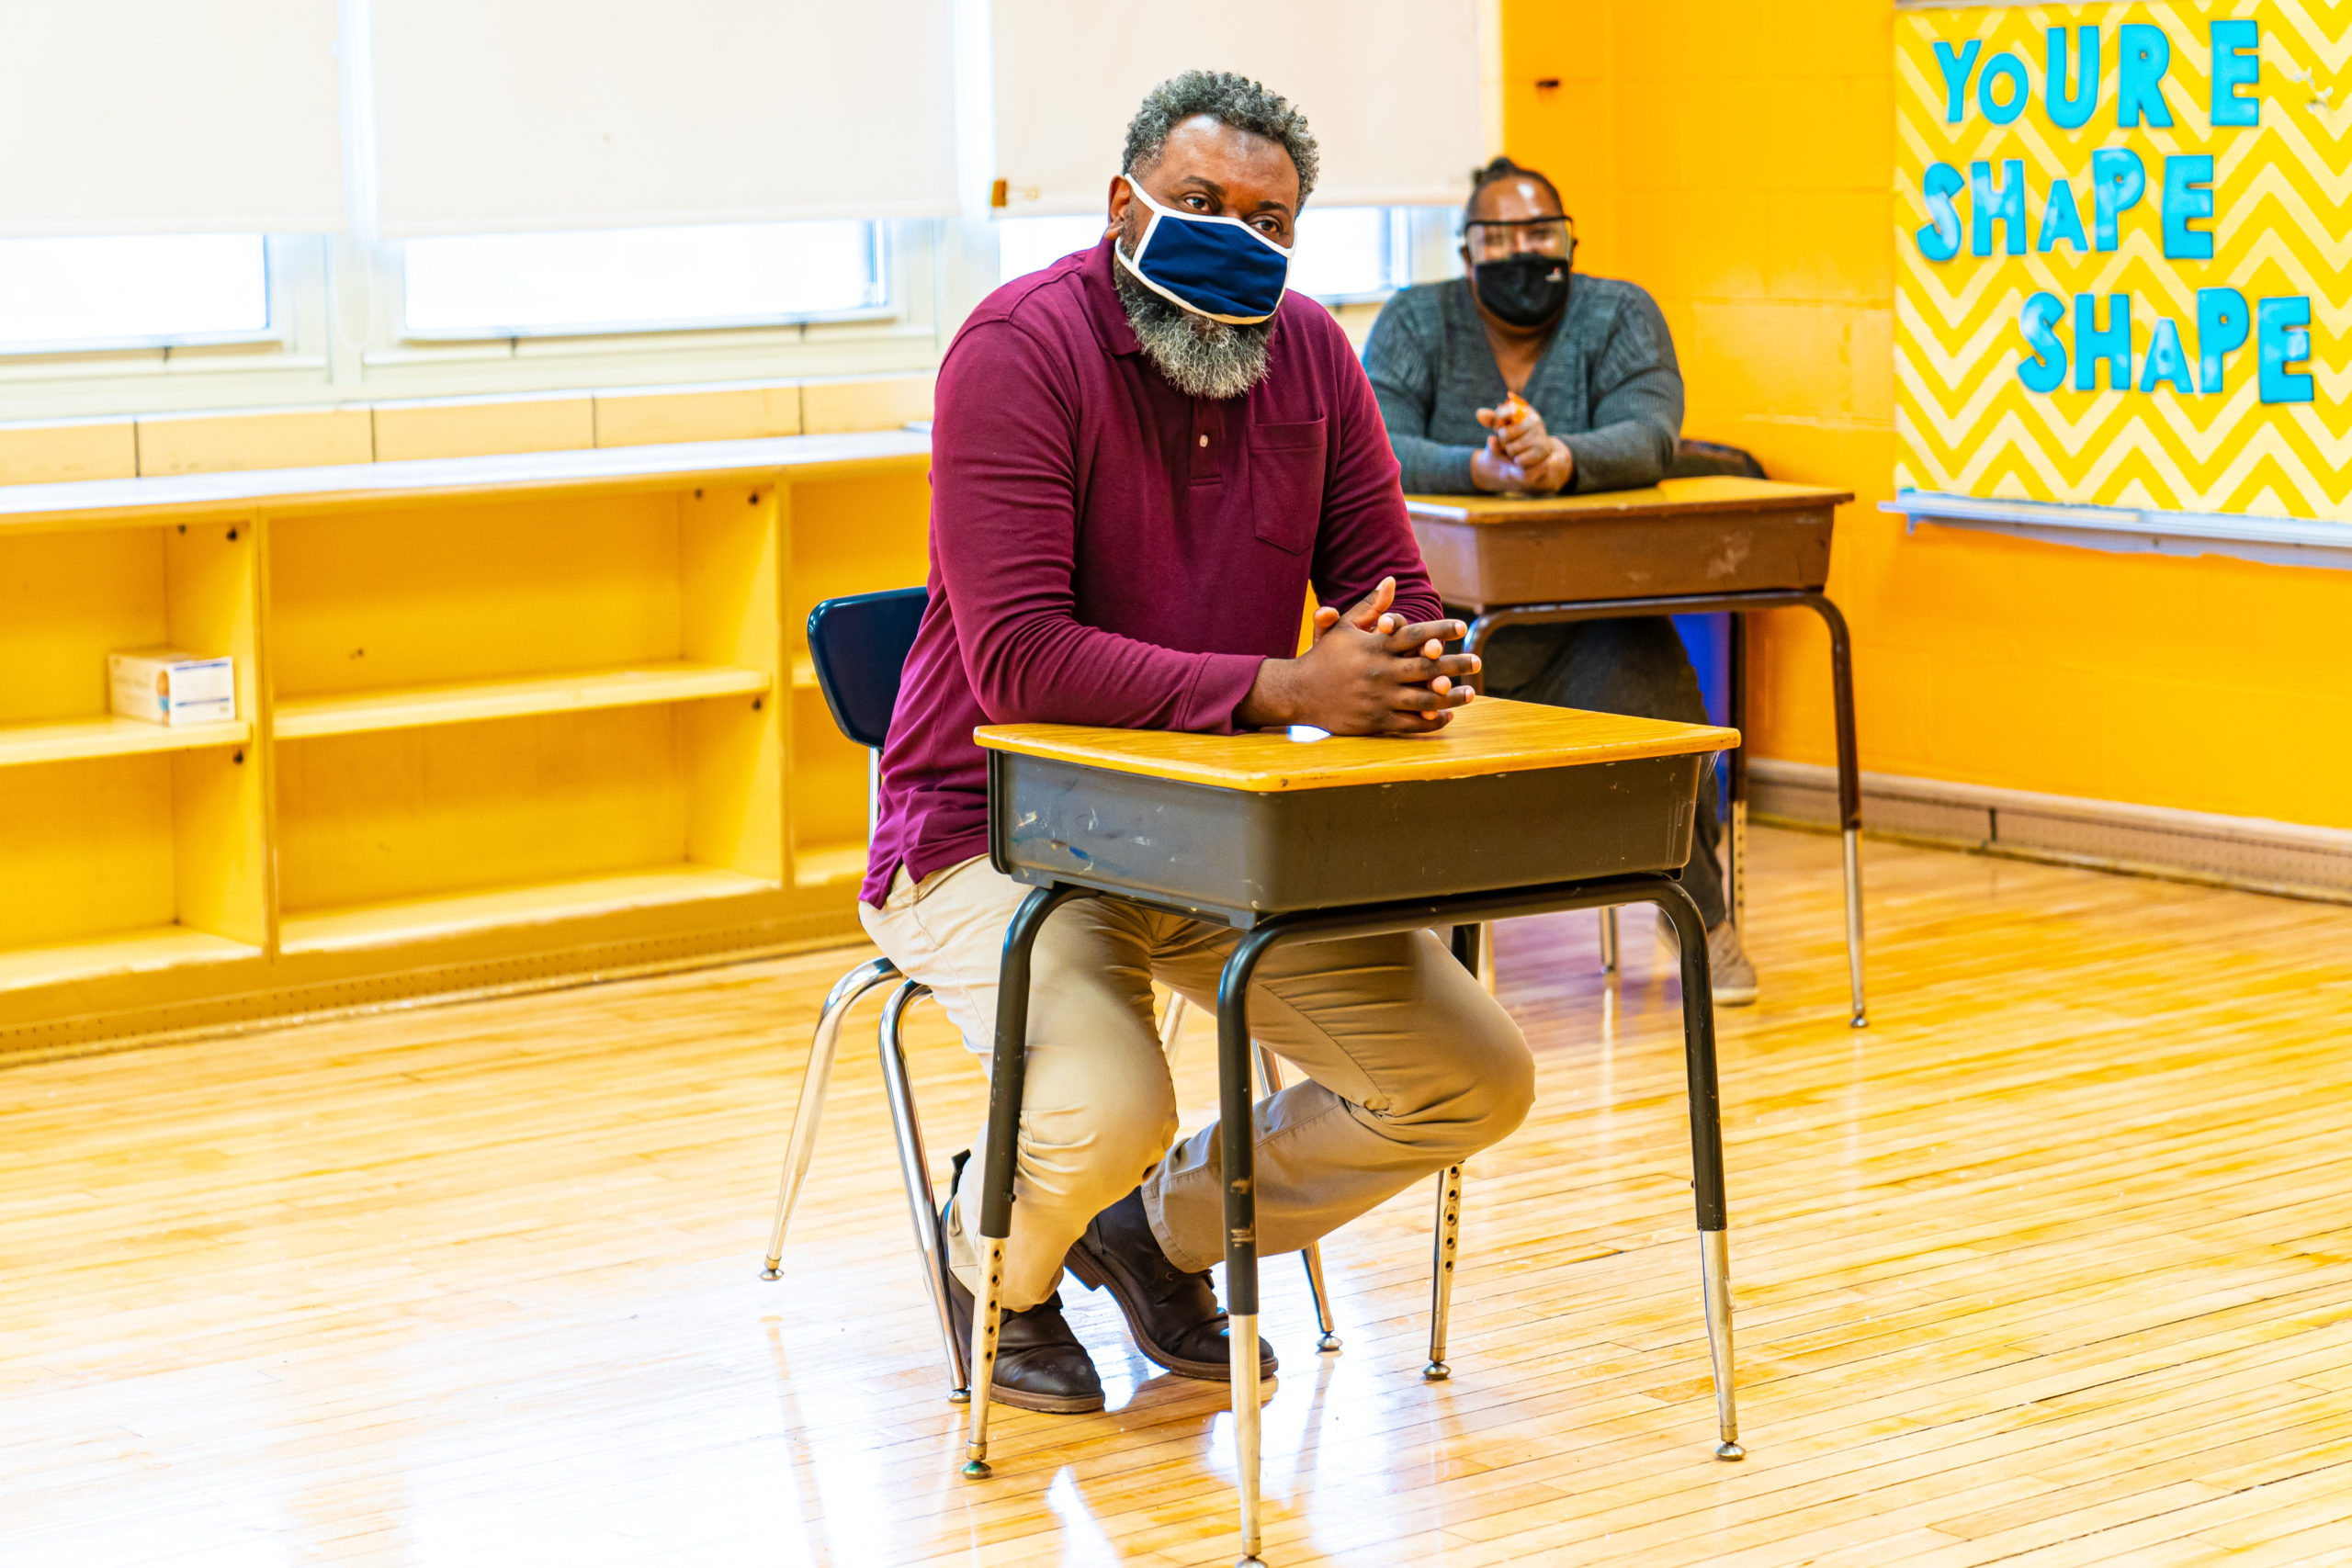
(1234, 855)
(1636, 555)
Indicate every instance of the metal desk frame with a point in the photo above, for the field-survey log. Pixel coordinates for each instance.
(1238, 1154)
(1841, 681)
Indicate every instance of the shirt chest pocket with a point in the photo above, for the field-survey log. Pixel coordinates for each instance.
(1286, 484)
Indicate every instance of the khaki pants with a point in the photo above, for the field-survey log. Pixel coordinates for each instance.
(1410, 1067)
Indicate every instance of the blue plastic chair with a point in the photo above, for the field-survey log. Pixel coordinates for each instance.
(859, 646)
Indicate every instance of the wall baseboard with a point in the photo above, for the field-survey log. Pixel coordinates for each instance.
(2248, 853)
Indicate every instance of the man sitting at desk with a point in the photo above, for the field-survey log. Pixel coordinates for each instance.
(1587, 366)
(1142, 458)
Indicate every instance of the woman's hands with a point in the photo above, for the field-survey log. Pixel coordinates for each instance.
(1368, 673)
(1521, 457)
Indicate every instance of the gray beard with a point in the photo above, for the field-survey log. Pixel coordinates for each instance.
(1200, 358)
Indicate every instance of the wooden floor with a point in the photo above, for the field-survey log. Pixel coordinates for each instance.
(2051, 1265)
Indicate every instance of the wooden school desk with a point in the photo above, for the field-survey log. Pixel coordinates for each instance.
(1682, 546)
(1316, 839)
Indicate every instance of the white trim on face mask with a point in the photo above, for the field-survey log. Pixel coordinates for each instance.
(1143, 242)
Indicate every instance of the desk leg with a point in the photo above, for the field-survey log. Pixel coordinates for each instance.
(1735, 781)
(1011, 1063)
(1849, 793)
(1442, 1255)
(1608, 940)
(1706, 1156)
(1237, 1156)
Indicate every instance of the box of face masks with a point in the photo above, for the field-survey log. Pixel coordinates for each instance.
(166, 687)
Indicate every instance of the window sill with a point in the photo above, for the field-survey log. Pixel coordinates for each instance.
(787, 328)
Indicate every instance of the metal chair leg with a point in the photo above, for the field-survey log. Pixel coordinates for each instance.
(1171, 1022)
(1608, 940)
(1449, 1237)
(802, 1142)
(1270, 1071)
(914, 1170)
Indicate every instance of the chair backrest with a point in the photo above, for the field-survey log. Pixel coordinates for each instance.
(859, 645)
(1695, 458)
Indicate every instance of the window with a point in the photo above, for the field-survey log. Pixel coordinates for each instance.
(1031, 244)
(1346, 252)
(1343, 253)
(137, 291)
(638, 279)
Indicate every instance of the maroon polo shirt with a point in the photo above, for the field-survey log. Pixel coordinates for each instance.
(1106, 551)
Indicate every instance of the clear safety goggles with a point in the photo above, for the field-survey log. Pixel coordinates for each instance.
(1493, 240)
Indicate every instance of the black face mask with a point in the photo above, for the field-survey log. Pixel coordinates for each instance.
(1526, 291)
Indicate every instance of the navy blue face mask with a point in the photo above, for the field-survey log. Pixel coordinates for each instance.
(1218, 267)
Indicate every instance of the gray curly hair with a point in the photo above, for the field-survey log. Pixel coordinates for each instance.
(1229, 100)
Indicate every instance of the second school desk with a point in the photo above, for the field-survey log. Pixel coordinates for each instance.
(1682, 546)
(1311, 840)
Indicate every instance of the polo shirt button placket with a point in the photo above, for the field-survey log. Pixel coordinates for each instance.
(1207, 420)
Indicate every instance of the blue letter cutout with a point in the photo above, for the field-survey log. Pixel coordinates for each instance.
(2221, 327)
(2143, 54)
(2165, 362)
(2188, 194)
(2237, 62)
(2062, 220)
(2282, 336)
(2044, 372)
(1939, 237)
(2000, 65)
(2118, 180)
(1956, 68)
(2113, 346)
(2071, 111)
(1984, 211)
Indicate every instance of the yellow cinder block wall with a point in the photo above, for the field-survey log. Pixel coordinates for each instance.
(1737, 160)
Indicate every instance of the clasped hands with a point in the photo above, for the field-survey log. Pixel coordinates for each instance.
(1366, 673)
(1521, 458)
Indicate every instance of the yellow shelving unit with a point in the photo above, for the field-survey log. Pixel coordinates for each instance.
(676, 681)
(500, 721)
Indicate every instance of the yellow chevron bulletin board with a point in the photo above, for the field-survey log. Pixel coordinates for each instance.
(2126, 285)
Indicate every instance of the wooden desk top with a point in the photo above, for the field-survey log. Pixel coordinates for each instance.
(1668, 498)
(1491, 736)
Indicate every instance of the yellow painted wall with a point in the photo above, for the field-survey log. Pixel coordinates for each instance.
(1737, 160)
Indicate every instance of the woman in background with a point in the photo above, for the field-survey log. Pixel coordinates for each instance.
(1525, 378)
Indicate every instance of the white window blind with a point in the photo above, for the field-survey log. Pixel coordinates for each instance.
(499, 116)
(151, 117)
(1390, 88)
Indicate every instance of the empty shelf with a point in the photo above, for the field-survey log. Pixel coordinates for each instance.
(106, 736)
(489, 908)
(300, 719)
(829, 863)
(116, 953)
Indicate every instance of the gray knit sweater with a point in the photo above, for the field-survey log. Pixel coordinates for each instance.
(1607, 384)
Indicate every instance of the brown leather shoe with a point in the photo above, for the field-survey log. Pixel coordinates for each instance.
(1173, 1315)
(1040, 1365)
